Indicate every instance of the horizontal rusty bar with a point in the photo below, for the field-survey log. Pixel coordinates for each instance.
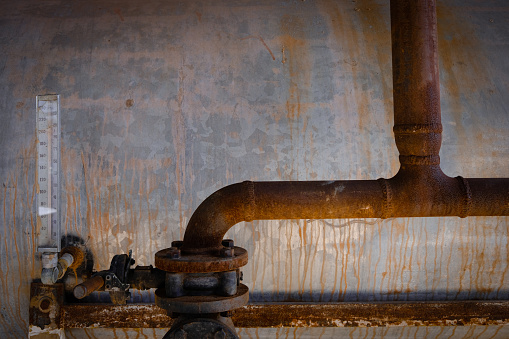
(373, 314)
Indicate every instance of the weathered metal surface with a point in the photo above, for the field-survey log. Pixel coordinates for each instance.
(156, 117)
(114, 316)
(374, 314)
(480, 313)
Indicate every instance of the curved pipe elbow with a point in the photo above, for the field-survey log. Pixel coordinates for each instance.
(215, 216)
(271, 200)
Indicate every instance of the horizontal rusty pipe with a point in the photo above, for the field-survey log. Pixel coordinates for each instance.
(401, 196)
(419, 189)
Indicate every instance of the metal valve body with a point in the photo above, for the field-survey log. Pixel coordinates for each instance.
(201, 290)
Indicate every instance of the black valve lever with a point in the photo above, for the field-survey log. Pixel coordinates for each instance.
(113, 280)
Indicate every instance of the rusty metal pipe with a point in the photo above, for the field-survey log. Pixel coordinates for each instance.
(87, 287)
(416, 90)
(401, 196)
(419, 189)
(249, 201)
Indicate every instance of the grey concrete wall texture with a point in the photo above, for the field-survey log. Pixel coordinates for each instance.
(164, 102)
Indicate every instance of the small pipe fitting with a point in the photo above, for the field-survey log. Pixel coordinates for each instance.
(49, 274)
(86, 288)
(64, 262)
(174, 253)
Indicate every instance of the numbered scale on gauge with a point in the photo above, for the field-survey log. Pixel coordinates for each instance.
(48, 167)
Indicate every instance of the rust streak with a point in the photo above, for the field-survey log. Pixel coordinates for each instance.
(263, 42)
(118, 11)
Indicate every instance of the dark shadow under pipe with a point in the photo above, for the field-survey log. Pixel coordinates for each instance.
(419, 189)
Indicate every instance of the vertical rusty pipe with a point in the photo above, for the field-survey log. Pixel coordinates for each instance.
(417, 121)
(416, 89)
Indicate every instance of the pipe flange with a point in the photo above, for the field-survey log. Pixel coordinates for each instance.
(171, 260)
(202, 327)
(202, 304)
(387, 196)
(467, 197)
(435, 128)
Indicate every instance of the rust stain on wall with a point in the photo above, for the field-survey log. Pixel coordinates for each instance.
(362, 30)
(18, 261)
(119, 212)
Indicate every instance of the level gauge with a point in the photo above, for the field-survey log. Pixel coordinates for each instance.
(48, 168)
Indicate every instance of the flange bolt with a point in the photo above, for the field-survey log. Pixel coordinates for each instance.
(174, 252)
(177, 243)
(227, 243)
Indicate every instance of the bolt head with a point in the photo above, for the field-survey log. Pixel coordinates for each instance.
(227, 252)
(177, 243)
(174, 253)
(227, 242)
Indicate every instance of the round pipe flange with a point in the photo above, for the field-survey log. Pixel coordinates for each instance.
(215, 327)
(232, 258)
(203, 304)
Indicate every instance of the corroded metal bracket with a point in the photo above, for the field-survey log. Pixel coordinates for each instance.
(45, 303)
(281, 314)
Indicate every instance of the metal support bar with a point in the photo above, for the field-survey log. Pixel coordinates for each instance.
(359, 314)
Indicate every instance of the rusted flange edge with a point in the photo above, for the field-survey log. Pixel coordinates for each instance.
(202, 304)
(200, 263)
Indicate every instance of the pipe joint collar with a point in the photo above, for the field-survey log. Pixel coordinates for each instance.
(467, 194)
(387, 198)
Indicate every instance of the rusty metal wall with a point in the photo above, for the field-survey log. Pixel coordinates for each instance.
(164, 102)
(461, 332)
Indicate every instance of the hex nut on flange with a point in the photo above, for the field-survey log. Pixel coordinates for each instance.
(174, 253)
(227, 243)
(227, 252)
(177, 243)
